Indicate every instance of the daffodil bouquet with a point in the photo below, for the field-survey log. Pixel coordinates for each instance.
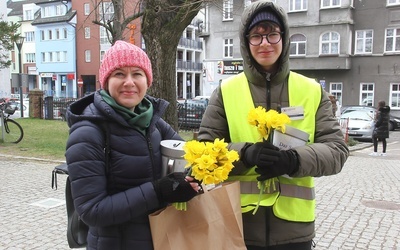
(266, 122)
(208, 162)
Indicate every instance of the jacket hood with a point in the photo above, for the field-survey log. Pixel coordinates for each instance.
(254, 73)
(385, 109)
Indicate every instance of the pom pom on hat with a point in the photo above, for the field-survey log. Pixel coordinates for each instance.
(265, 16)
(123, 54)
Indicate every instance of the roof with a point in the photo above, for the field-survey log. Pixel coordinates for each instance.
(16, 6)
(56, 19)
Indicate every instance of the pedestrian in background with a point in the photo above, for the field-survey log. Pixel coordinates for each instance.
(115, 199)
(381, 129)
(286, 217)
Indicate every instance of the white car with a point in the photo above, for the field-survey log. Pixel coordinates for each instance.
(358, 124)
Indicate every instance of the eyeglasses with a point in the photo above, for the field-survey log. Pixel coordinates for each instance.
(272, 38)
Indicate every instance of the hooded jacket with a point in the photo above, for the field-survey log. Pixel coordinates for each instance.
(115, 204)
(326, 156)
(382, 122)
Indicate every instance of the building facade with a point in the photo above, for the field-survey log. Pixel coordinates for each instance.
(63, 48)
(351, 48)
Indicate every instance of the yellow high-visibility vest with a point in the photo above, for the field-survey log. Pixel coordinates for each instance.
(292, 199)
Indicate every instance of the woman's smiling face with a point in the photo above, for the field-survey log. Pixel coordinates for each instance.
(128, 86)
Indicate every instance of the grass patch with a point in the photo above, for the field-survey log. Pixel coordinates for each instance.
(46, 139)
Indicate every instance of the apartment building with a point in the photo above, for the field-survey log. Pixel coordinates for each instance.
(63, 48)
(351, 48)
(189, 66)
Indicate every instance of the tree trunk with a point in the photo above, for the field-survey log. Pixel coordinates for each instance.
(162, 26)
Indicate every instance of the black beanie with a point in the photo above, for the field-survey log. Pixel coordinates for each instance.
(265, 16)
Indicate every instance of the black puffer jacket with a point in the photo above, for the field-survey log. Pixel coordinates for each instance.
(382, 122)
(115, 205)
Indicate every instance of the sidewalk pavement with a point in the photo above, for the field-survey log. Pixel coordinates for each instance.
(358, 208)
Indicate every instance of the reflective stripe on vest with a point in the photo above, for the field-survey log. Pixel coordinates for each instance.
(294, 198)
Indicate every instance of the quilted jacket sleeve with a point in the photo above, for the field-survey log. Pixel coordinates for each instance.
(85, 158)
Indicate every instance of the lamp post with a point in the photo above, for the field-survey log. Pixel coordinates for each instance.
(19, 42)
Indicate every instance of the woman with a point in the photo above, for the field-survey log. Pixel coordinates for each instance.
(381, 130)
(114, 199)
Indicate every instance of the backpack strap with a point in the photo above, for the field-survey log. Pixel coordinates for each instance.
(63, 168)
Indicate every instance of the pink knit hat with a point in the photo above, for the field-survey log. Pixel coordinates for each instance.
(123, 54)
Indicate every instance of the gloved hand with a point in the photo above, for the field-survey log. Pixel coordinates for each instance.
(174, 188)
(260, 154)
(283, 162)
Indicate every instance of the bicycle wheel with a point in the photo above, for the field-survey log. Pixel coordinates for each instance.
(13, 131)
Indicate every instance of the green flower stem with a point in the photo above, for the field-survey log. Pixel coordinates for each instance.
(263, 185)
(181, 206)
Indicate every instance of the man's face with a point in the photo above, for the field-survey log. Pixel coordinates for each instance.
(266, 54)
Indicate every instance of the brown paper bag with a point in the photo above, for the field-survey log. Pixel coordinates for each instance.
(213, 220)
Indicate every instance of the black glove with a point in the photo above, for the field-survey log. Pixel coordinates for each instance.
(174, 188)
(260, 154)
(283, 162)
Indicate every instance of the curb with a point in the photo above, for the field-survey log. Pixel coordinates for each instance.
(31, 158)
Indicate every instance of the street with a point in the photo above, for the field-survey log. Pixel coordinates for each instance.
(357, 209)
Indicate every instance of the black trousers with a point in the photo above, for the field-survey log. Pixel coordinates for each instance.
(309, 245)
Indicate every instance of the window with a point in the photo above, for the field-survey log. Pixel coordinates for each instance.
(64, 56)
(43, 57)
(227, 13)
(367, 94)
(102, 52)
(42, 36)
(30, 36)
(330, 43)
(50, 56)
(103, 36)
(392, 40)
(58, 56)
(87, 32)
(393, 2)
(61, 10)
(28, 15)
(394, 95)
(57, 34)
(86, 9)
(228, 48)
(336, 90)
(298, 45)
(30, 57)
(50, 35)
(106, 11)
(330, 3)
(65, 33)
(363, 41)
(297, 5)
(87, 55)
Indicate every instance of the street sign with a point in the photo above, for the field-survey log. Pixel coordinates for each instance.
(80, 83)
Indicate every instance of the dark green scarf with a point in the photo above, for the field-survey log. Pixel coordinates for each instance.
(139, 118)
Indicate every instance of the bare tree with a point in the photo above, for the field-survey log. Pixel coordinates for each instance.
(162, 24)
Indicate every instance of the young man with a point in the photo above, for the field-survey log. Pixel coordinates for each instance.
(286, 217)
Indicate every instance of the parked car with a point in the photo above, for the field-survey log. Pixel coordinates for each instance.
(394, 122)
(190, 113)
(358, 124)
(15, 104)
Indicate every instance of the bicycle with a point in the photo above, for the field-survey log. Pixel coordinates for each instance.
(12, 132)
